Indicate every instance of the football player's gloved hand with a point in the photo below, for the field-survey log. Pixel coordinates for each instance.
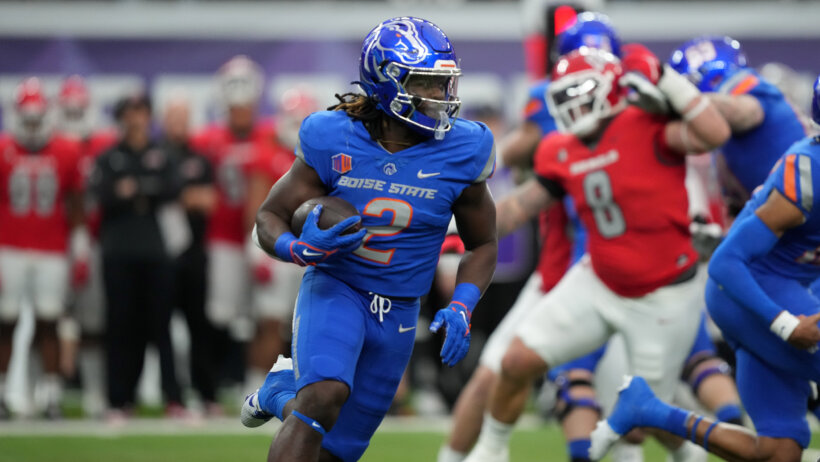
(80, 273)
(316, 245)
(80, 249)
(262, 273)
(642, 72)
(456, 320)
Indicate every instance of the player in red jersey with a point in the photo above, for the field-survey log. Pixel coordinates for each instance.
(625, 169)
(76, 118)
(39, 204)
(275, 283)
(234, 148)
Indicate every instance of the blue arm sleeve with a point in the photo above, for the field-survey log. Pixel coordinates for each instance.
(729, 266)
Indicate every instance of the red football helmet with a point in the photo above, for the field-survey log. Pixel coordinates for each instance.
(294, 105)
(585, 90)
(240, 82)
(74, 101)
(74, 93)
(32, 127)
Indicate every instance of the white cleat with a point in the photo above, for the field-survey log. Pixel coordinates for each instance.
(252, 415)
(280, 378)
(601, 440)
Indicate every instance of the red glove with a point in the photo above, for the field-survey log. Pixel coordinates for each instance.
(262, 273)
(638, 58)
(80, 274)
(642, 71)
(452, 244)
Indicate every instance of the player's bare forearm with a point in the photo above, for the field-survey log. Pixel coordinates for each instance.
(258, 188)
(703, 128)
(518, 147)
(273, 218)
(474, 212)
(742, 112)
(76, 211)
(521, 206)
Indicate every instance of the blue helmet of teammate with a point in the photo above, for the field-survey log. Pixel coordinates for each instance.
(409, 68)
(815, 102)
(593, 30)
(709, 61)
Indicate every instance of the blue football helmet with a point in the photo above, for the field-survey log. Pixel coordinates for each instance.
(592, 30)
(815, 102)
(402, 56)
(709, 61)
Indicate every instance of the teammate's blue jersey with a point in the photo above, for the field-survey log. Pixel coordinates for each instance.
(796, 175)
(750, 156)
(405, 199)
(537, 111)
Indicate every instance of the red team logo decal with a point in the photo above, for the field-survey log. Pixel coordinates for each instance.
(342, 163)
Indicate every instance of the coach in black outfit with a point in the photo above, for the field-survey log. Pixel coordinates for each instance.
(198, 197)
(132, 182)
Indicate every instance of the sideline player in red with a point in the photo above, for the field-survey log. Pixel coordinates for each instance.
(233, 147)
(625, 169)
(40, 202)
(275, 283)
(76, 118)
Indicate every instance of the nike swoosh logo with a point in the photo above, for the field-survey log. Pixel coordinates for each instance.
(465, 318)
(308, 253)
(403, 329)
(423, 175)
(316, 425)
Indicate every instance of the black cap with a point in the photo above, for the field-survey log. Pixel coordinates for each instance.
(130, 101)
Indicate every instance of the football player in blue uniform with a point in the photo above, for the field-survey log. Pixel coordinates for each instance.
(763, 123)
(401, 156)
(758, 294)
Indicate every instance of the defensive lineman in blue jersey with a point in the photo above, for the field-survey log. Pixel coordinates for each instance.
(758, 294)
(399, 154)
(763, 123)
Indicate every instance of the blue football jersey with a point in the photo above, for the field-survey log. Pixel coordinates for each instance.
(797, 253)
(537, 111)
(405, 199)
(749, 156)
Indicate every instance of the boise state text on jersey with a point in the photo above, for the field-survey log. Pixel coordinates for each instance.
(749, 156)
(797, 253)
(405, 198)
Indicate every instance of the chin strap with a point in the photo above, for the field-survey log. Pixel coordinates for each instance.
(443, 121)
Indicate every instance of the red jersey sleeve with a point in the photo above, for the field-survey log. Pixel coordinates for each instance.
(550, 157)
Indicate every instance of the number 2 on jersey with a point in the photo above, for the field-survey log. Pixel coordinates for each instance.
(608, 216)
(402, 216)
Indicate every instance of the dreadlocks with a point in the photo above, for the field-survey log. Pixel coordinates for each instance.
(361, 107)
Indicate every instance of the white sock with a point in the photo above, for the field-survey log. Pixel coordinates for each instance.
(448, 454)
(53, 388)
(92, 375)
(688, 452)
(626, 452)
(254, 379)
(494, 435)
